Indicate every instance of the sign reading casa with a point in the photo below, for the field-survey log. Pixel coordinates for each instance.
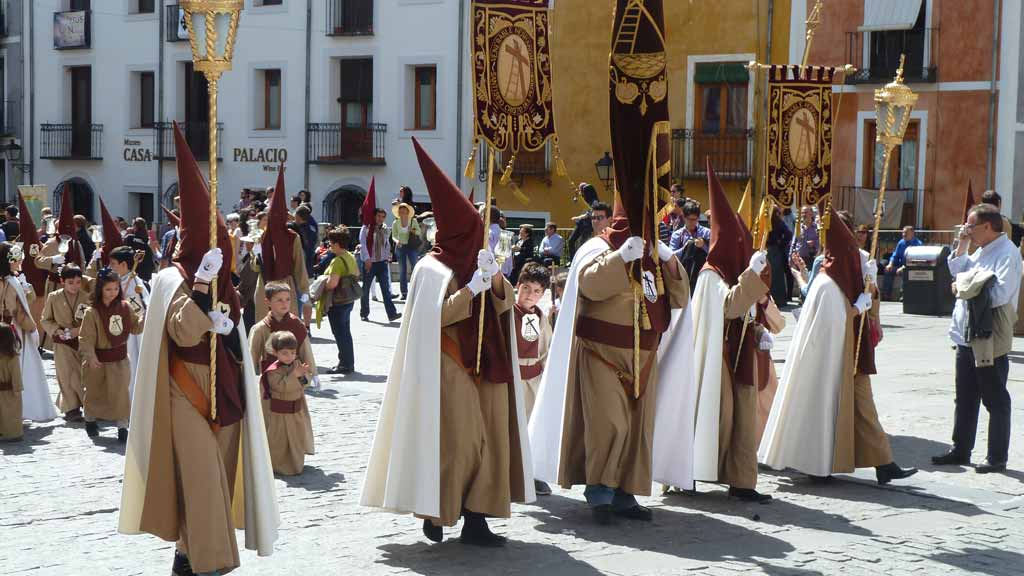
(261, 155)
(134, 151)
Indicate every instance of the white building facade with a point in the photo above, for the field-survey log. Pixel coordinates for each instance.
(334, 89)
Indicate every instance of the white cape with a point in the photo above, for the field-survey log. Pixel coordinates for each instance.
(800, 432)
(135, 340)
(404, 471)
(709, 335)
(673, 435)
(256, 474)
(36, 403)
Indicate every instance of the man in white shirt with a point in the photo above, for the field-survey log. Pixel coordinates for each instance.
(552, 244)
(987, 285)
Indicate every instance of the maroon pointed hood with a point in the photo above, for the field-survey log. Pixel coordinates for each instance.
(968, 201)
(278, 240)
(30, 238)
(111, 234)
(842, 258)
(66, 226)
(731, 246)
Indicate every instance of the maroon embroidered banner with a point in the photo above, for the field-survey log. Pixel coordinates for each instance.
(512, 74)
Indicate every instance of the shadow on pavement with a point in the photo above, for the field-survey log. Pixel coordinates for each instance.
(772, 570)
(672, 533)
(779, 512)
(982, 560)
(905, 496)
(322, 393)
(450, 558)
(914, 451)
(1016, 357)
(33, 437)
(314, 479)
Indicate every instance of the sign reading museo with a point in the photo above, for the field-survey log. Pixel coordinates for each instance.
(71, 29)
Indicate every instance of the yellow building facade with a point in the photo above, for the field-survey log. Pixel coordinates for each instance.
(714, 104)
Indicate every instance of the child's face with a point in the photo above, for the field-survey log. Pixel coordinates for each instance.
(72, 285)
(110, 290)
(528, 294)
(280, 304)
(286, 356)
(121, 268)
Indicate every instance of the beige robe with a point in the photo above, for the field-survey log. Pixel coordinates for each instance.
(298, 282)
(476, 445)
(776, 323)
(738, 421)
(106, 388)
(10, 368)
(1018, 328)
(66, 312)
(290, 435)
(608, 434)
(860, 440)
(532, 385)
(258, 346)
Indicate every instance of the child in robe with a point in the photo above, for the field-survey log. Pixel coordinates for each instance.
(10, 385)
(283, 383)
(62, 321)
(533, 337)
(103, 345)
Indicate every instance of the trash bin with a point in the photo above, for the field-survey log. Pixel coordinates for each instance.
(926, 282)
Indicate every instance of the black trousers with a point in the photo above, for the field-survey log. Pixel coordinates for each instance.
(975, 386)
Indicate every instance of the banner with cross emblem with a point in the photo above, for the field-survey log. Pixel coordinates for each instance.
(512, 74)
(800, 117)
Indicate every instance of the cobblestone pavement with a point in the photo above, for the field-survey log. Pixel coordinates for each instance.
(60, 495)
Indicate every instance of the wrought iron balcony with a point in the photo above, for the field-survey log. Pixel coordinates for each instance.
(175, 22)
(332, 143)
(883, 53)
(197, 134)
(71, 141)
(349, 17)
(732, 155)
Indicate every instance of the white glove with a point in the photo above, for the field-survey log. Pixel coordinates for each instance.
(486, 264)
(767, 341)
(57, 260)
(96, 254)
(758, 261)
(210, 266)
(304, 298)
(632, 249)
(664, 252)
(863, 303)
(257, 249)
(478, 283)
(222, 324)
(871, 274)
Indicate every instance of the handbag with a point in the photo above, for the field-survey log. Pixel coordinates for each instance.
(415, 240)
(348, 289)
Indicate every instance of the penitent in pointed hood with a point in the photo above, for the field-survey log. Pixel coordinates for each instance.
(278, 240)
(30, 244)
(731, 244)
(111, 233)
(843, 259)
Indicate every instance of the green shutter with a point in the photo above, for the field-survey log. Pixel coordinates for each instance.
(721, 73)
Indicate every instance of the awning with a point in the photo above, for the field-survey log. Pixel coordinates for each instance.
(721, 73)
(881, 15)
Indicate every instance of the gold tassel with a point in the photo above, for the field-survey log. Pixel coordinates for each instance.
(644, 317)
(659, 280)
(471, 164)
(506, 176)
(518, 193)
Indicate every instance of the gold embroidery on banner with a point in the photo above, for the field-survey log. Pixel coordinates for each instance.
(637, 74)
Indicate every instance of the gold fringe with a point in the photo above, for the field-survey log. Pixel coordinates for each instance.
(506, 176)
(645, 319)
(471, 163)
(659, 280)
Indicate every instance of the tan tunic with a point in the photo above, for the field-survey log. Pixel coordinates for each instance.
(10, 368)
(44, 261)
(532, 385)
(766, 397)
(258, 346)
(608, 434)
(476, 445)
(290, 434)
(298, 282)
(738, 421)
(860, 440)
(63, 311)
(106, 388)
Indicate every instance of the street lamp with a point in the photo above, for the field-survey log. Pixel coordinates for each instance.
(12, 151)
(604, 170)
(212, 28)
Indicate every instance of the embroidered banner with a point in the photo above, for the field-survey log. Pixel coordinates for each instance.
(799, 159)
(512, 74)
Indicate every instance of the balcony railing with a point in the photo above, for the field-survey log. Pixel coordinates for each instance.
(71, 141)
(883, 55)
(175, 22)
(349, 17)
(197, 134)
(900, 205)
(10, 118)
(332, 143)
(731, 155)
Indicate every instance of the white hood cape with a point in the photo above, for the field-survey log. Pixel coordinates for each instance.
(37, 405)
(674, 405)
(404, 472)
(255, 482)
(709, 336)
(135, 340)
(800, 432)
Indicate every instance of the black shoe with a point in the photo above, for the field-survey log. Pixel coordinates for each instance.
(951, 458)
(122, 435)
(749, 495)
(475, 532)
(433, 533)
(181, 567)
(603, 514)
(637, 512)
(343, 370)
(541, 488)
(73, 415)
(820, 479)
(988, 467)
(397, 316)
(891, 471)
(364, 318)
(92, 429)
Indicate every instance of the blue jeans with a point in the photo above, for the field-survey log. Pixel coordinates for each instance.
(404, 254)
(379, 272)
(599, 494)
(341, 326)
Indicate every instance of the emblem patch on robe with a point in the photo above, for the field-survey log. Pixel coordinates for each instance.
(80, 312)
(136, 303)
(531, 327)
(116, 325)
(33, 250)
(650, 288)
